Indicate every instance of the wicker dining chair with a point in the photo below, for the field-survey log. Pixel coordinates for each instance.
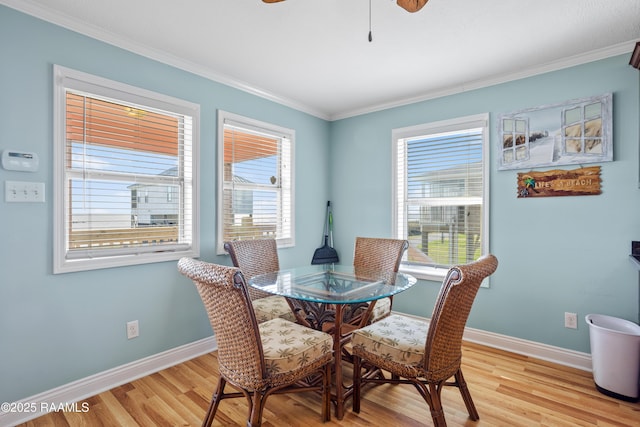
(254, 257)
(424, 354)
(253, 357)
(378, 254)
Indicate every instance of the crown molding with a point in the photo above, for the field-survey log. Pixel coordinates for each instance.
(62, 20)
(572, 61)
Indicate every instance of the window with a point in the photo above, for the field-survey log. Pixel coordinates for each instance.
(255, 176)
(125, 177)
(441, 183)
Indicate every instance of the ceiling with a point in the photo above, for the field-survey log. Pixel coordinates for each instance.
(314, 55)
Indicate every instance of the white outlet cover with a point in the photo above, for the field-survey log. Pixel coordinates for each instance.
(132, 329)
(571, 320)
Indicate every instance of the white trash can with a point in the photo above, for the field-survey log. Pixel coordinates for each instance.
(615, 356)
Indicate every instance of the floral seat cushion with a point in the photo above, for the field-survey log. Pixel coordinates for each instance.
(395, 338)
(288, 345)
(272, 307)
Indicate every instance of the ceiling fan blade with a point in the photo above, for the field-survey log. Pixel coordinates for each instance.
(412, 5)
(408, 5)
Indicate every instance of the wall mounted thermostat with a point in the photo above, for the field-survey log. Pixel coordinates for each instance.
(14, 160)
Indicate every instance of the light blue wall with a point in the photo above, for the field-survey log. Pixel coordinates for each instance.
(556, 254)
(55, 329)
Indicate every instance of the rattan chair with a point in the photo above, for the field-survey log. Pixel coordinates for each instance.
(253, 357)
(383, 255)
(256, 257)
(424, 354)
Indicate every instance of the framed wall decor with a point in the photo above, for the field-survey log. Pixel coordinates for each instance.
(574, 132)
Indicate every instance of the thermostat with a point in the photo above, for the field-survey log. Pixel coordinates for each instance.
(24, 161)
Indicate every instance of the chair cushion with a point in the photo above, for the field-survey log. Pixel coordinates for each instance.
(287, 346)
(272, 307)
(381, 310)
(395, 338)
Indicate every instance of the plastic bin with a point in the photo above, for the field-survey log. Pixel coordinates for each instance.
(615, 356)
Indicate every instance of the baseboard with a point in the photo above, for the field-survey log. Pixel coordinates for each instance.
(102, 381)
(95, 384)
(561, 356)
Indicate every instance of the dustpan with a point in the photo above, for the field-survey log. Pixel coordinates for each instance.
(325, 254)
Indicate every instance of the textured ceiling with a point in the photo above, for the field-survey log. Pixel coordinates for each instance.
(314, 55)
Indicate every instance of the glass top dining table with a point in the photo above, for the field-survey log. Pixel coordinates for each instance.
(333, 284)
(336, 299)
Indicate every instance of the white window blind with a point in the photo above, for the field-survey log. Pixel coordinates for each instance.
(126, 179)
(441, 189)
(256, 172)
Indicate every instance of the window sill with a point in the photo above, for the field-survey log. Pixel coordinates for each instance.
(432, 274)
(85, 264)
(425, 273)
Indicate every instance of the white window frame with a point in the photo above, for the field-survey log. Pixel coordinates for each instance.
(399, 201)
(287, 205)
(66, 79)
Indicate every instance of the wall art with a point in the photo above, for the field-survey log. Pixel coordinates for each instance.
(574, 132)
(576, 182)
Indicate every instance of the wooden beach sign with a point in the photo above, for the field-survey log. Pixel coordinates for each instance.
(576, 182)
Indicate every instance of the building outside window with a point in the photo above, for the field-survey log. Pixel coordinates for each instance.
(441, 183)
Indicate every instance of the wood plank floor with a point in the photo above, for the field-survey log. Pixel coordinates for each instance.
(508, 390)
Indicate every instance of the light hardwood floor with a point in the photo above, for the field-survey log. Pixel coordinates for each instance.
(508, 390)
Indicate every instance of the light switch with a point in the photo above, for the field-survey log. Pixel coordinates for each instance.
(24, 191)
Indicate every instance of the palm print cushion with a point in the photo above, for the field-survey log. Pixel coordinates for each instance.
(398, 338)
(288, 345)
(272, 307)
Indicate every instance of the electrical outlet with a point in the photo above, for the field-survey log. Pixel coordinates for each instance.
(571, 320)
(132, 329)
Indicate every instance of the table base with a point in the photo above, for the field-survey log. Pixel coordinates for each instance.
(339, 320)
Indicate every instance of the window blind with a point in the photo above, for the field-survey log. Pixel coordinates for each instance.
(257, 183)
(126, 167)
(441, 179)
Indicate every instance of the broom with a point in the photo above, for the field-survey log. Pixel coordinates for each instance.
(326, 254)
